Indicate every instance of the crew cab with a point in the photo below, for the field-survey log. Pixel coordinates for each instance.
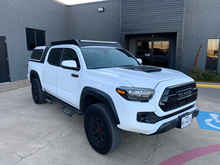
(114, 91)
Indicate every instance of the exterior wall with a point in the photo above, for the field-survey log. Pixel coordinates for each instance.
(85, 22)
(194, 22)
(151, 16)
(201, 23)
(15, 16)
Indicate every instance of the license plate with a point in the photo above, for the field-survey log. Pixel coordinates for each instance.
(184, 94)
(186, 120)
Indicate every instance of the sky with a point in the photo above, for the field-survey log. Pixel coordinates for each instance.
(74, 2)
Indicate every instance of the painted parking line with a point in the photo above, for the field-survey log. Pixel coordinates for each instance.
(209, 120)
(190, 155)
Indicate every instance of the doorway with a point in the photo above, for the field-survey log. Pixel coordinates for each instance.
(154, 53)
(4, 67)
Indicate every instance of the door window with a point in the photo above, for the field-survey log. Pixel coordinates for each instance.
(143, 51)
(161, 52)
(54, 56)
(70, 54)
(153, 53)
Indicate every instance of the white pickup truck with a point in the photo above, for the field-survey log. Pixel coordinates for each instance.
(108, 85)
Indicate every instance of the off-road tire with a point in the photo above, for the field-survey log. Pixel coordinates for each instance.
(37, 93)
(102, 133)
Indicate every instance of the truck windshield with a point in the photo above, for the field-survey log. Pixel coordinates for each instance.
(107, 57)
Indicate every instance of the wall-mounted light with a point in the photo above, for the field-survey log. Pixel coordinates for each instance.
(101, 9)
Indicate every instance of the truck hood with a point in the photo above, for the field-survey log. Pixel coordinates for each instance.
(144, 76)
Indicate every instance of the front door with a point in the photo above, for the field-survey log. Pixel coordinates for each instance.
(153, 53)
(68, 80)
(4, 67)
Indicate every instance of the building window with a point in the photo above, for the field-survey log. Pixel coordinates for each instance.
(212, 54)
(35, 38)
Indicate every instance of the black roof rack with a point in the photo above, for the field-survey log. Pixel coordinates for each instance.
(82, 43)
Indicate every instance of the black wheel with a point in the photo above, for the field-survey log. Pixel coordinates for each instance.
(37, 93)
(102, 133)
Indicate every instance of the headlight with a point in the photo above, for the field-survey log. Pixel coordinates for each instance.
(135, 94)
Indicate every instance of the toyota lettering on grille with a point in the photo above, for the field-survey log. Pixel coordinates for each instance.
(184, 94)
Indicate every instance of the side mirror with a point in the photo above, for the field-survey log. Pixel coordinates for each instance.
(139, 60)
(69, 64)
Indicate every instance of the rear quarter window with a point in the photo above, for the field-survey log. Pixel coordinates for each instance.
(37, 53)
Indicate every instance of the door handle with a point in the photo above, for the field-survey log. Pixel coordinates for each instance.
(59, 74)
(74, 75)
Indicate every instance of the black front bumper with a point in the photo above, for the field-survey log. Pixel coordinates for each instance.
(176, 123)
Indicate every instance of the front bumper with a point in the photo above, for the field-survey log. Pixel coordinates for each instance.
(176, 123)
(128, 112)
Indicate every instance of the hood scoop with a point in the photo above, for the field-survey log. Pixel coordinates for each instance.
(144, 68)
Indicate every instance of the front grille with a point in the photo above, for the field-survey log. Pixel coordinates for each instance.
(170, 99)
(182, 87)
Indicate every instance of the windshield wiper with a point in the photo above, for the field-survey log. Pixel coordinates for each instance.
(103, 67)
(125, 65)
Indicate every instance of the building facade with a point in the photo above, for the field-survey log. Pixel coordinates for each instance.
(15, 18)
(165, 33)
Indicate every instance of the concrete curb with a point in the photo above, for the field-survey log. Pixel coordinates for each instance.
(217, 86)
(14, 85)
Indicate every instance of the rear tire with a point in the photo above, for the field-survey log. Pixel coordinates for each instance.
(37, 92)
(102, 133)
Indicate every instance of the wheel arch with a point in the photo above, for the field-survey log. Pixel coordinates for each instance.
(89, 93)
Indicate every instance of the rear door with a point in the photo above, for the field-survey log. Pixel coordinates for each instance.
(50, 70)
(4, 67)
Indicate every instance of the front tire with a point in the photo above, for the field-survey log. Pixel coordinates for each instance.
(37, 93)
(102, 133)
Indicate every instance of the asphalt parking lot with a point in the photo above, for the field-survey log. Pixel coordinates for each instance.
(42, 134)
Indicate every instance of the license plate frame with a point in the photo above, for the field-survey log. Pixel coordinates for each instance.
(185, 120)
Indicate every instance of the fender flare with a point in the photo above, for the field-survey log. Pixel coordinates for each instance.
(101, 96)
(33, 72)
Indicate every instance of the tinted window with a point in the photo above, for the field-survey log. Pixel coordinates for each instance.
(159, 52)
(54, 56)
(143, 47)
(35, 38)
(40, 37)
(37, 53)
(30, 39)
(70, 54)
